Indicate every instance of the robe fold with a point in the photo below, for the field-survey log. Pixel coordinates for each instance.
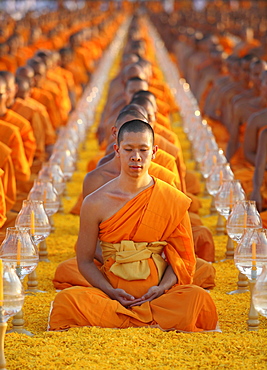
(8, 178)
(150, 216)
(26, 132)
(10, 136)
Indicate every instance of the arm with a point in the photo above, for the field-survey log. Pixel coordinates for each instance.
(90, 219)
(260, 165)
(233, 142)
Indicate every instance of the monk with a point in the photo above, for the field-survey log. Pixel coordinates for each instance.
(148, 259)
(259, 193)
(10, 136)
(257, 121)
(241, 116)
(8, 177)
(7, 81)
(2, 201)
(26, 73)
(42, 95)
(67, 273)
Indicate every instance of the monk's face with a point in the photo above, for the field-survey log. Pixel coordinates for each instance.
(132, 87)
(255, 74)
(264, 86)
(39, 75)
(245, 71)
(135, 151)
(151, 114)
(3, 93)
(11, 92)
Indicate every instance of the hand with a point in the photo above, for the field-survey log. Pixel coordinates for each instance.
(124, 298)
(153, 292)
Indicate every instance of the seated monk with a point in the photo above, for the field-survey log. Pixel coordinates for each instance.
(259, 193)
(10, 136)
(39, 93)
(67, 273)
(135, 228)
(8, 178)
(235, 150)
(7, 190)
(26, 74)
(257, 121)
(2, 201)
(7, 79)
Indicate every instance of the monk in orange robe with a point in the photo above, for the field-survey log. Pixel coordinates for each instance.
(8, 178)
(259, 193)
(7, 81)
(2, 201)
(80, 76)
(67, 272)
(148, 253)
(42, 95)
(10, 136)
(27, 73)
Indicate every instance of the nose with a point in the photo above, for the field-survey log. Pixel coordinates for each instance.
(136, 157)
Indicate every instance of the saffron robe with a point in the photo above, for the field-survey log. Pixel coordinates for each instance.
(149, 217)
(26, 132)
(8, 177)
(10, 136)
(2, 201)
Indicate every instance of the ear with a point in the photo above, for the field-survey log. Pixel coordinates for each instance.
(116, 150)
(114, 131)
(154, 151)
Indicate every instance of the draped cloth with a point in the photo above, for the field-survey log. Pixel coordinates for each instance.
(151, 216)
(131, 259)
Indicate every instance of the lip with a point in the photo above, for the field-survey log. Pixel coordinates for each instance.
(135, 166)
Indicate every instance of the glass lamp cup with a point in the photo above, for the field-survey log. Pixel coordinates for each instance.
(244, 214)
(13, 294)
(65, 160)
(33, 215)
(259, 294)
(229, 192)
(45, 191)
(251, 252)
(52, 171)
(19, 250)
(212, 158)
(219, 172)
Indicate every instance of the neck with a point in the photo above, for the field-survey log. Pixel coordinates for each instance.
(134, 185)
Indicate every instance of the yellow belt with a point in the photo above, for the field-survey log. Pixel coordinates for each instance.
(131, 259)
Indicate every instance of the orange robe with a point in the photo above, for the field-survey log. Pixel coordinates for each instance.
(10, 136)
(49, 131)
(147, 217)
(26, 132)
(30, 114)
(2, 201)
(8, 178)
(166, 133)
(47, 99)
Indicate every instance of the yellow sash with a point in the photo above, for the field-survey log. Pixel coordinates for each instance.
(131, 259)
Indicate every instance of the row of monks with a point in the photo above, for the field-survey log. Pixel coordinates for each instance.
(137, 94)
(227, 74)
(45, 64)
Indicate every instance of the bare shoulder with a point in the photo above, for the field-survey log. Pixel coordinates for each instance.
(92, 181)
(258, 118)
